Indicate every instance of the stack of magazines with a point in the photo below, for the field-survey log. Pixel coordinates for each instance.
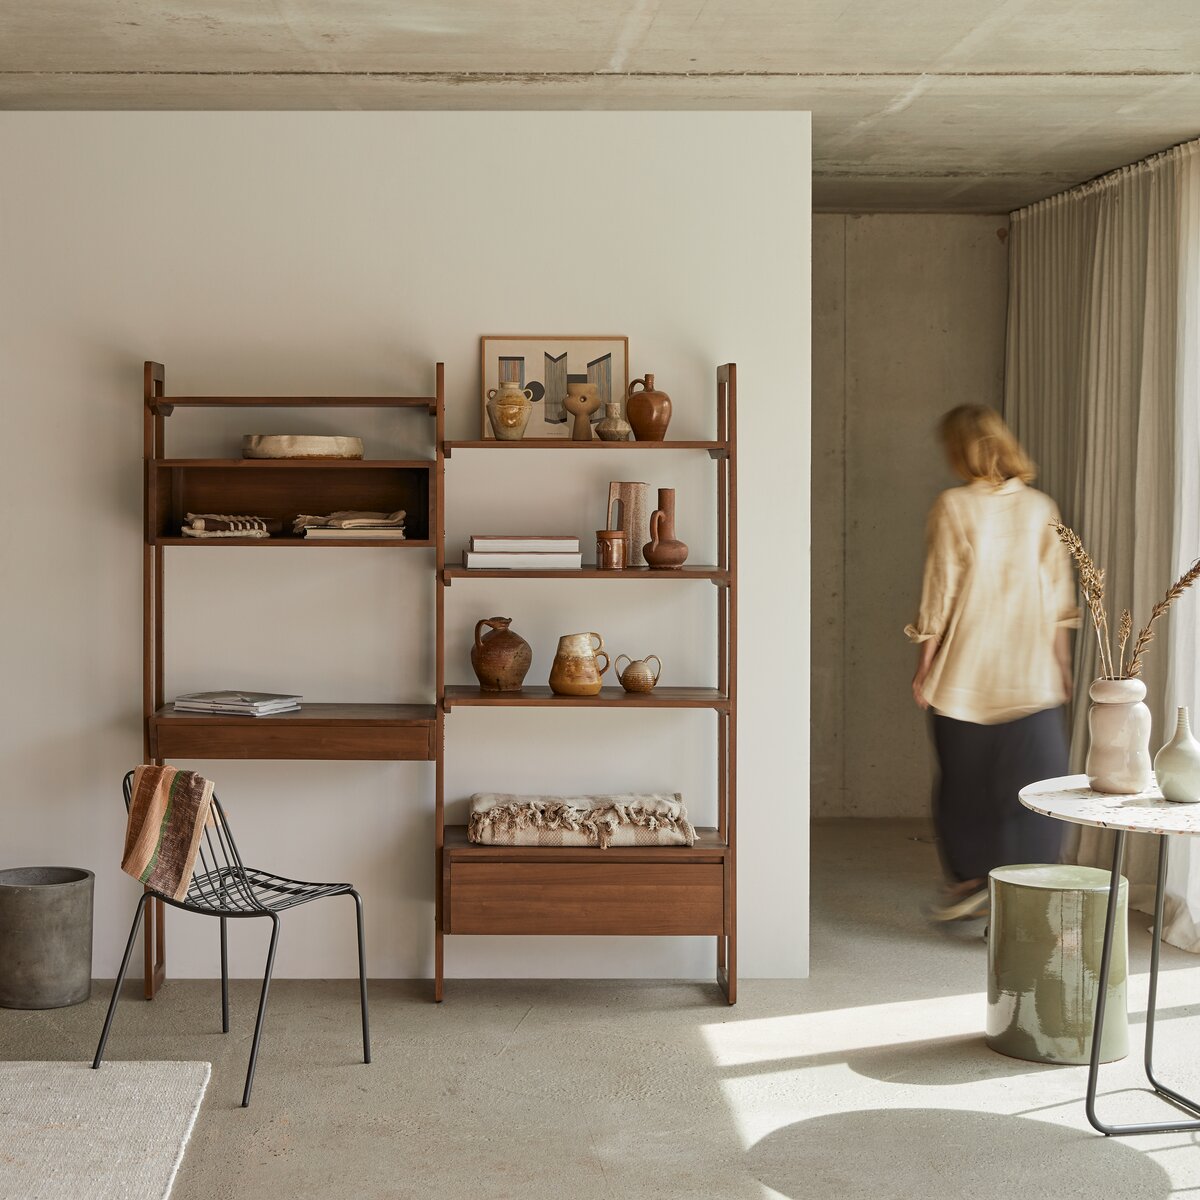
(237, 704)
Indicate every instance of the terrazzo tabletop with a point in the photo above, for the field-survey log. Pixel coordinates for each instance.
(1069, 798)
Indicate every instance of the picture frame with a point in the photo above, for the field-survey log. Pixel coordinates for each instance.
(546, 364)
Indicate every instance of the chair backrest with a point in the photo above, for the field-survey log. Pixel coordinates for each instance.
(219, 880)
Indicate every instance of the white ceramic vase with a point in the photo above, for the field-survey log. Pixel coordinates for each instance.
(1177, 764)
(1118, 760)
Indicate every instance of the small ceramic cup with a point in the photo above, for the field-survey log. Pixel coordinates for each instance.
(611, 549)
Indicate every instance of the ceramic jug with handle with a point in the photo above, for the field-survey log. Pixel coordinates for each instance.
(508, 409)
(576, 671)
(638, 675)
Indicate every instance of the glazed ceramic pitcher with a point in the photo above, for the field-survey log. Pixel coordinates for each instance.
(575, 671)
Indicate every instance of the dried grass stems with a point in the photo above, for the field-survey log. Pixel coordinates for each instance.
(1091, 583)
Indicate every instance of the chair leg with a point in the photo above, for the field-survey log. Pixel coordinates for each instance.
(262, 1009)
(112, 1004)
(224, 978)
(362, 977)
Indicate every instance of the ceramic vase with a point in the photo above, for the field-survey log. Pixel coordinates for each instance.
(501, 657)
(1177, 764)
(649, 410)
(664, 551)
(638, 675)
(508, 409)
(575, 671)
(614, 427)
(1118, 759)
(583, 399)
(629, 510)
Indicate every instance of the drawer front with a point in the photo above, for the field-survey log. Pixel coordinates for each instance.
(362, 742)
(575, 898)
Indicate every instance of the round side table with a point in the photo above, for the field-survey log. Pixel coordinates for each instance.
(1070, 799)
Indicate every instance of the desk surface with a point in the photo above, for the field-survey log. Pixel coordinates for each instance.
(1070, 799)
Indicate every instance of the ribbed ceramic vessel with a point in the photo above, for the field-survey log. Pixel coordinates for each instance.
(1177, 764)
(1118, 759)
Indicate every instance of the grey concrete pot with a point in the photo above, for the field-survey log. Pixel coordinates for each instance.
(45, 936)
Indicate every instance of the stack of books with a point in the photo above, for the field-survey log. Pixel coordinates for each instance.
(238, 704)
(516, 553)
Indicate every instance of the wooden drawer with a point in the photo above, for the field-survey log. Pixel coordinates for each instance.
(583, 897)
(265, 739)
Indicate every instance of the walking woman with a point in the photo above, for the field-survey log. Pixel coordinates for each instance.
(993, 663)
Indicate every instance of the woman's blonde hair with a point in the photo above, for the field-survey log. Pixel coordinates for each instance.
(981, 447)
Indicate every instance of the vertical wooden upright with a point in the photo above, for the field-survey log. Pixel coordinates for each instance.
(439, 799)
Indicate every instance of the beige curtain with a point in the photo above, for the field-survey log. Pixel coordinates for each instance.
(1093, 391)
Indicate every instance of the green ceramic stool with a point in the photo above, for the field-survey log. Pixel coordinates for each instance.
(1045, 938)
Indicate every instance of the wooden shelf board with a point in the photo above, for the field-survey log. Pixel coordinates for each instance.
(295, 542)
(609, 697)
(715, 449)
(313, 714)
(588, 571)
(708, 848)
(295, 464)
(165, 404)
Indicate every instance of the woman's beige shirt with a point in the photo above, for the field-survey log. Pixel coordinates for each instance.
(998, 586)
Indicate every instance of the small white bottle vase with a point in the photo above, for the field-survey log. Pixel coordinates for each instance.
(1118, 759)
(1177, 764)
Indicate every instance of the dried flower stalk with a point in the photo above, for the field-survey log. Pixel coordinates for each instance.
(1123, 631)
(1091, 583)
(1146, 634)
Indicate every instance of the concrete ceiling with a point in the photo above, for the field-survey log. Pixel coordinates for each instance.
(936, 105)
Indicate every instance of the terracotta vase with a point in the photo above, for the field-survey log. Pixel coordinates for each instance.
(664, 551)
(1177, 764)
(638, 675)
(1118, 758)
(500, 658)
(508, 409)
(649, 411)
(629, 510)
(575, 671)
(614, 427)
(582, 400)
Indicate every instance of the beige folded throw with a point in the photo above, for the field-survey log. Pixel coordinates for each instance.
(167, 813)
(625, 819)
(210, 525)
(351, 519)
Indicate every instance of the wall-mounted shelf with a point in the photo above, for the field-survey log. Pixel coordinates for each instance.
(590, 571)
(457, 695)
(163, 406)
(716, 449)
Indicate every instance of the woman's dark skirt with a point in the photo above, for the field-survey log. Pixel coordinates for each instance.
(980, 822)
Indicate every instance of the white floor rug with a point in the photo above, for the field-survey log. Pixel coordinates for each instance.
(70, 1133)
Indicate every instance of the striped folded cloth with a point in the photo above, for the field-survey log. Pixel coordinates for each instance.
(206, 525)
(623, 819)
(351, 519)
(167, 814)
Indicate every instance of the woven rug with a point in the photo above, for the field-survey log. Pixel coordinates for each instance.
(70, 1133)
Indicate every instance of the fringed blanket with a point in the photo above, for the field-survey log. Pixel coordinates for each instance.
(229, 525)
(630, 819)
(166, 818)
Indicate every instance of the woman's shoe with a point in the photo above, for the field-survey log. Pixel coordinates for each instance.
(959, 907)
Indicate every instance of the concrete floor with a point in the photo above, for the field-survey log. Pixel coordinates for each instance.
(870, 1079)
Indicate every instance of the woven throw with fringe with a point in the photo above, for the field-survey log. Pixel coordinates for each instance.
(627, 819)
(167, 813)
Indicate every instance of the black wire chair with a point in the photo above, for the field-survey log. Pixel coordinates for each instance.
(223, 887)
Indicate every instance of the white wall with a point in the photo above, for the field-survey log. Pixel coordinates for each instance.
(908, 321)
(343, 253)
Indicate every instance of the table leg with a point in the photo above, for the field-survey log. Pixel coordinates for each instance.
(1102, 995)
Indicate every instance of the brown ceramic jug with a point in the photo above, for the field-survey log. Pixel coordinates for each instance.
(648, 411)
(664, 550)
(500, 658)
(574, 672)
(637, 675)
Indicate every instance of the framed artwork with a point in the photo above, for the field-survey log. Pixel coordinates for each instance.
(546, 365)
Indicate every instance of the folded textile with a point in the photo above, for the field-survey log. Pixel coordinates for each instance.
(188, 531)
(626, 819)
(350, 519)
(167, 814)
(225, 522)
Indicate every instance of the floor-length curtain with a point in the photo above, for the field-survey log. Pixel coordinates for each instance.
(1094, 362)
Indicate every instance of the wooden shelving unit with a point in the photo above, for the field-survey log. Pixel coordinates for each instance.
(661, 891)
(280, 489)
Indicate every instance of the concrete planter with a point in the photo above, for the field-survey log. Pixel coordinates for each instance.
(45, 936)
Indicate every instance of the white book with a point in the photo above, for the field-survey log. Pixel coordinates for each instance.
(240, 699)
(389, 533)
(522, 562)
(516, 544)
(237, 712)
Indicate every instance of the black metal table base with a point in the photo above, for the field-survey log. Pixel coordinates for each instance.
(1168, 1094)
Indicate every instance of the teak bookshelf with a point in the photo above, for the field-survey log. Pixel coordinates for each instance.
(280, 489)
(660, 891)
